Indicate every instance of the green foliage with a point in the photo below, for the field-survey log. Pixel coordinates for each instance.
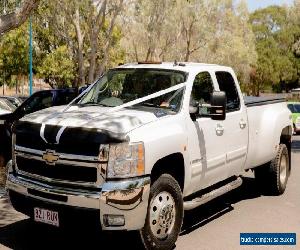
(275, 36)
(58, 67)
(8, 6)
(263, 47)
(14, 60)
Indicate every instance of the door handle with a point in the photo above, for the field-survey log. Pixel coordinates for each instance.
(219, 129)
(243, 124)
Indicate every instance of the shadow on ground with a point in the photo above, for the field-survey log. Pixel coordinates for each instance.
(206, 213)
(296, 144)
(26, 235)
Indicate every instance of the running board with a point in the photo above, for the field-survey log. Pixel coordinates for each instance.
(189, 205)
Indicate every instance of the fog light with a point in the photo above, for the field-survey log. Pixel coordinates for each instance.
(112, 220)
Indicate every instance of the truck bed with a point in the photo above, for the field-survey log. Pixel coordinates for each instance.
(251, 101)
(266, 118)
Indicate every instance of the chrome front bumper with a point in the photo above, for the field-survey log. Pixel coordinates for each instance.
(128, 198)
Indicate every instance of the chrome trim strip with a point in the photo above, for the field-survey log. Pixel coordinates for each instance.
(49, 188)
(29, 150)
(58, 181)
(126, 184)
(59, 161)
(79, 164)
(28, 156)
(61, 155)
(76, 197)
(78, 157)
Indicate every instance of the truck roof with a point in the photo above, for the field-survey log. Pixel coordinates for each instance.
(182, 66)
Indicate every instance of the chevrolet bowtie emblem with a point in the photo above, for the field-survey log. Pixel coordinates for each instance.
(50, 157)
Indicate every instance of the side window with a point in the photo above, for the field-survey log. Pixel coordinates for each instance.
(227, 84)
(201, 92)
(202, 88)
(38, 102)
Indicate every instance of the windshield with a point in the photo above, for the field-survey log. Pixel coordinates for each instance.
(120, 86)
(4, 104)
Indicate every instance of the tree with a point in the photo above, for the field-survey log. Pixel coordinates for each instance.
(215, 31)
(232, 42)
(58, 68)
(294, 19)
(150, 31)
(14, 54)
(89, 29)
(274, 41)
(17, 17)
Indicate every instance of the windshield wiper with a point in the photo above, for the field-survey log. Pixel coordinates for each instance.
(92, 104)
(148, 104)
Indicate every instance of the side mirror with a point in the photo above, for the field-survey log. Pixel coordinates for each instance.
(194, 108)
(218, 105)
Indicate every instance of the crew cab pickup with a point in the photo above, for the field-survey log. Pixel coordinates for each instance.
(144, 143)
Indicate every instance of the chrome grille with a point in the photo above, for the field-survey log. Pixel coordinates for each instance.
(72, 169)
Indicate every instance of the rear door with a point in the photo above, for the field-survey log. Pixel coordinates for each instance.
(235, 125)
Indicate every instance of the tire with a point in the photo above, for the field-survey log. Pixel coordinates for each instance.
(273, 176)
(164, 215)
(2, 171)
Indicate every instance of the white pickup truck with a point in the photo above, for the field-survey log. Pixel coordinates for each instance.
(144, 143)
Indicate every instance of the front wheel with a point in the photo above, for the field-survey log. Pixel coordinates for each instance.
(165, 214)
(273, 177)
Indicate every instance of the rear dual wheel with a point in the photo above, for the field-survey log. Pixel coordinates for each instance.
(165, 214)
(272, 177)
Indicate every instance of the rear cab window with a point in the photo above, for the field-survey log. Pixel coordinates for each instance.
(227, 84)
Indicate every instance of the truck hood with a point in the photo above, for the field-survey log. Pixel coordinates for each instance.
(116, 123)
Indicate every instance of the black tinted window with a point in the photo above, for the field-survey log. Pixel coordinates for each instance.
(296, 108)
(291, 108)
(227, 84)
(64, 98)
(202, 88)
(201, 93)
(38, 101)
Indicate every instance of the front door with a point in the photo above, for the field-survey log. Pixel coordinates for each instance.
(207, 138)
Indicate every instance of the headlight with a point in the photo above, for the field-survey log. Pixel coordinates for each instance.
(126, 160)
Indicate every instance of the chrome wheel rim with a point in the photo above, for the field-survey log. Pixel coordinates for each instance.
(162, 215)
(283, 169)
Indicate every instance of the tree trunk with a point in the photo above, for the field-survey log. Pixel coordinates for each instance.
(93, 56)
(97, 25)
(80, 38)
(15, 19)
(102, 66)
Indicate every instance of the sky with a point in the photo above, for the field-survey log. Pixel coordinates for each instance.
(255, 4)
